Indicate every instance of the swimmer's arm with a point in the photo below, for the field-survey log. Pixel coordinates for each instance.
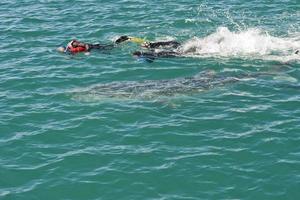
(129, 38)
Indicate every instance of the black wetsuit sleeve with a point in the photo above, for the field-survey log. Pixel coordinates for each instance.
(151, 56)
(167, 54)
(122, 39)
(162, 54)
(101, 46)
(172, 44)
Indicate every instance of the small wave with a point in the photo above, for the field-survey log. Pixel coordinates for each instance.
(252, 42)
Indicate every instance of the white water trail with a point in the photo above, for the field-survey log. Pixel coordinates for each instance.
(250, 43)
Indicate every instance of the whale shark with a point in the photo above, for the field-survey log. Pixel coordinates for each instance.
(152, 89)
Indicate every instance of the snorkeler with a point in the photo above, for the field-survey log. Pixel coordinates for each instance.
(161, 49)
(75, 46)
(149, 45)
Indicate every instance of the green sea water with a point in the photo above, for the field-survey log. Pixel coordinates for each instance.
(229, 141)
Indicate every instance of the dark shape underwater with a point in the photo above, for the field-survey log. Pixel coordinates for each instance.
(152, 89)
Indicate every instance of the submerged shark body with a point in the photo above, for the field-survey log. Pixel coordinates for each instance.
(151, 89)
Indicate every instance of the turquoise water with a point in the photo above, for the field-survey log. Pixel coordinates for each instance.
(231, 141)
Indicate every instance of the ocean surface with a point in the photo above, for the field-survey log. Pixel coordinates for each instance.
(62, 137)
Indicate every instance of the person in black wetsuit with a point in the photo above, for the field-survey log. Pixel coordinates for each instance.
(149, 45)
(168, 48)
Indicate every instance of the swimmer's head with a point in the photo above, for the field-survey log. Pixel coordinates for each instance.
(75, 43)
(142, 58)
(137, 53)
(297, 52)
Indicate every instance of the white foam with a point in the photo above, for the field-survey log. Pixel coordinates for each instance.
(252, 42)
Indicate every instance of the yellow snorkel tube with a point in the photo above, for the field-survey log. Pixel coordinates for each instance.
(137, 40)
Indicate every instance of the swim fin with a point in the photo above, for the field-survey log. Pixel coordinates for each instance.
(123, 38)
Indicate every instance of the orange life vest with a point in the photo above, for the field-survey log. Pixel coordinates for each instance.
(75, 49)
